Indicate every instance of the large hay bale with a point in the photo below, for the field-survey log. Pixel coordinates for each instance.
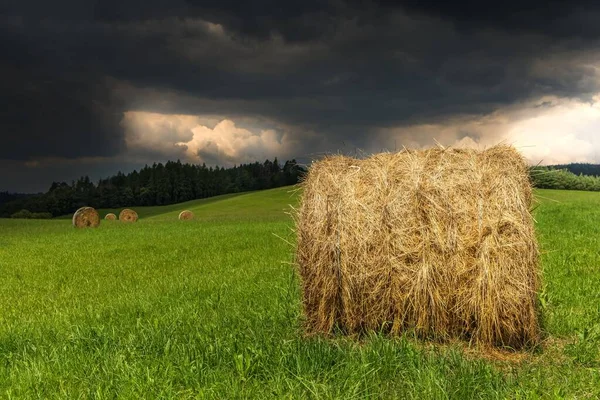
(128, 215)
(440, 242)
(110, 217)
(86, 217)
(186, 215)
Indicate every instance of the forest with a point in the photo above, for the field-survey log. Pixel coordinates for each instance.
(560, 177)
(155, 185)
(584, 169)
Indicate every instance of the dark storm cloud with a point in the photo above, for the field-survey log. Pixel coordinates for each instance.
(295, 20)
(310, 19)
(556, 18)
(46, 117)
(341, 68)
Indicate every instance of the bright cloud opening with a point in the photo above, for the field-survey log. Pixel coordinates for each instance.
(200, 139)
(549, 131)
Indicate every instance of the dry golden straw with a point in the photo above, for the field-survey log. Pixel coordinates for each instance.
(86, 217)
(128, 215)
(110, 217)
(186, 215)
(439, 242)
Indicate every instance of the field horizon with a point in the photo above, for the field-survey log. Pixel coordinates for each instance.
(210, 308)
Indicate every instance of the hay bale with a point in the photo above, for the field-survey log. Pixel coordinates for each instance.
(86, 217)
(110, 217)
(440, 242)
(186, 215)
(128, 215)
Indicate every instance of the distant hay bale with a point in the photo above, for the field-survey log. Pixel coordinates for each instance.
(186, 215)
(110, 217)
(86, 217)
(128, 215)
(439, 242)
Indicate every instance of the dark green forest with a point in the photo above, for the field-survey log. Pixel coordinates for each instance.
(159, 184)
(585, 169)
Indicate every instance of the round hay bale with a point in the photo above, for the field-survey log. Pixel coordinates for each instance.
(110, 217)
(186, 215)
(440, 242)
(128, 215)
(86, 217)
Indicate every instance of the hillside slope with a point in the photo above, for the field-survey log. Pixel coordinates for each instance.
(272, 204)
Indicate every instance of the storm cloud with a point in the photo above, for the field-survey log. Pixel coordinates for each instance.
(109, 85)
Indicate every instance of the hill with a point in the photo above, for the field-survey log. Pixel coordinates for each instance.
(268, 204)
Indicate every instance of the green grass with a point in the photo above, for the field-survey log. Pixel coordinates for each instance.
(247, 205)
(211, 309)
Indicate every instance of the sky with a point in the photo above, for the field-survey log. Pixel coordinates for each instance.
(94, 87)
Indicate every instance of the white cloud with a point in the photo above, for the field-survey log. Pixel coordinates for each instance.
(547, 131)
(157, 134)
(227, 142)
(567, 132)
(202, 139)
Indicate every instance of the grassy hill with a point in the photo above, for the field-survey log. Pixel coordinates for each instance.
(269, 204)
(211, 309)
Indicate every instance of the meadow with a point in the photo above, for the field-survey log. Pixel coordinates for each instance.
(210, 308)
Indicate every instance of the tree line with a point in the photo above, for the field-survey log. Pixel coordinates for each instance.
(584, 169)
(556, 177)
(175, 182)
(155, 185)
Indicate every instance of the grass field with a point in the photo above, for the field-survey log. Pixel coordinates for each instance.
(211, 309)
